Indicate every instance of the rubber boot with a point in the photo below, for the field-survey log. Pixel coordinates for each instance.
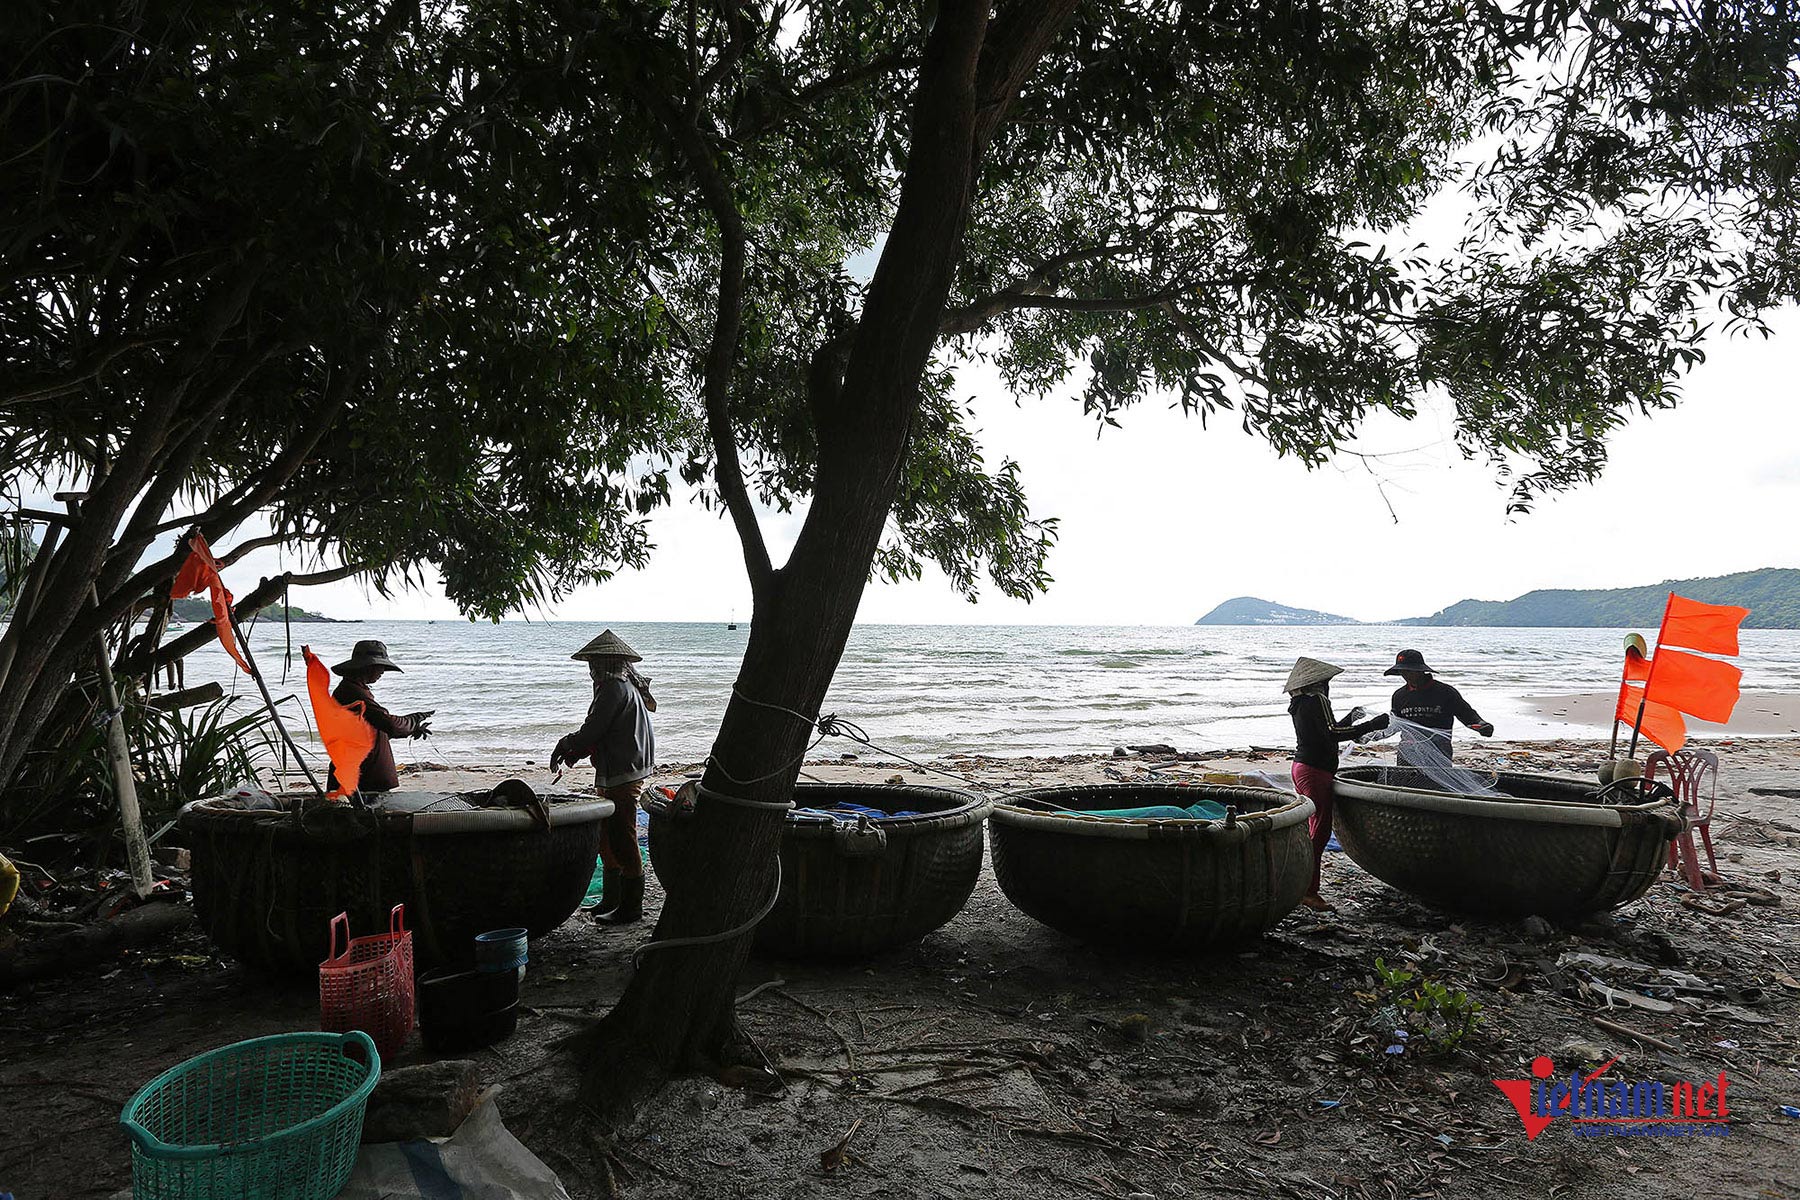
(609, 891)
(630, 908)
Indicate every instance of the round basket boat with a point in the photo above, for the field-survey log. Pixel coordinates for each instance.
(266, 886)
(853, 888)
(1545, 847)
(1171, 885)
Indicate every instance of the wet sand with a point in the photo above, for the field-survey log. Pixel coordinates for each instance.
(1758, 714)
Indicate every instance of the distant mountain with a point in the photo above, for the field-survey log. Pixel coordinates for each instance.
(199, 608)
(1772, 595)
(1248, 610)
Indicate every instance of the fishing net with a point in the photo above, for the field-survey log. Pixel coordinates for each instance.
(1427, 751)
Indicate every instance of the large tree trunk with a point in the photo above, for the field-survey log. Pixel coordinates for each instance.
(678, 1012)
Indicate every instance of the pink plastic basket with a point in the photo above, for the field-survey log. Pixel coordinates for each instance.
(369, 984)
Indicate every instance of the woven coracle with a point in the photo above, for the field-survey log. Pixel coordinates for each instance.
(851, 889)
(1170, 885)
(1546, 847)
(266, 886)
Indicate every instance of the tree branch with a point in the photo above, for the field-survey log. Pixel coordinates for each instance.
(81, 372)
(238, 551)
(259, 598)
(898, 60)
(966, 320)
(721, 353)
(1018, 37)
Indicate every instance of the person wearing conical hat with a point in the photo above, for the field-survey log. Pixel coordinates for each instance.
(1317, 733)
(361, 671)
(618, 740)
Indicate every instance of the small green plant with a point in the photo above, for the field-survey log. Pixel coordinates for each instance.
(196, 752)
(1443, 1015)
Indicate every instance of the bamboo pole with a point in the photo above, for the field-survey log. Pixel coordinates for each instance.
(118, 754)
(1639, 723)
(263, 687)
(1632, 641)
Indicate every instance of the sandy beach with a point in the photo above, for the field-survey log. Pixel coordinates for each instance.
(998, 1058)
(994, 773)
(1758, 714)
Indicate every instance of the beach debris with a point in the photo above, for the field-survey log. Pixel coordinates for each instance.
(839, 1154)
(1635, 1034)
(95, 941)
(430, 1100)
(1537, 929)
(1789, 1110)
(1614, 996)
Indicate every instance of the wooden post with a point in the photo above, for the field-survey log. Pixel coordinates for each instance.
(118, 753)
(118, 746)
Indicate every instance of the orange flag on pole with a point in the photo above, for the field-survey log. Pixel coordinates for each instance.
(1708, 628)
(1661, 724)
(201, 573)
(347, 737)
(1699, 686)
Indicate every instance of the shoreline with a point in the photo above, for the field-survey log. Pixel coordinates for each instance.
(988, 772)
(1758, 714)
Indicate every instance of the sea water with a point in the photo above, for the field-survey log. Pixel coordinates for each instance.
(504, 693)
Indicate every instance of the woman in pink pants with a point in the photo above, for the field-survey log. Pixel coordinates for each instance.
(1316, 737)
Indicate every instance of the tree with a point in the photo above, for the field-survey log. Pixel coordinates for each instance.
(1131, 198)
(1142, 198)
(303, 266)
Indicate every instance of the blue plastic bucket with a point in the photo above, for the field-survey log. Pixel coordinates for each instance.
(500, 950)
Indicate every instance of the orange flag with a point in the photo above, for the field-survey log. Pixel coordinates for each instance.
(1700, 687)
(1661, 724)
(201, 573)
(347, 737)
(1708, 628)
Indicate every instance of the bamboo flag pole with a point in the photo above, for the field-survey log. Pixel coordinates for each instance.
(1645, 701)
(261, 686)
(1633, 641)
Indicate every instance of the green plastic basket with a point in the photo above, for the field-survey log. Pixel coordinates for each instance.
(273, 1118)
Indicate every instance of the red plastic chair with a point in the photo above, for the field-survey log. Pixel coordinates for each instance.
(1691, 772)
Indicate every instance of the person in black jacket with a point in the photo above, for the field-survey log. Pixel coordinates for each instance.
(1428, 701)
(365, 666)
(1317, 733)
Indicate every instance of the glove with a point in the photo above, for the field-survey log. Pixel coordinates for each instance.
(561, 756)
(422, 725)
(1485, 729)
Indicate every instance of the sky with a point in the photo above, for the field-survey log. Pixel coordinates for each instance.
(1162, 520)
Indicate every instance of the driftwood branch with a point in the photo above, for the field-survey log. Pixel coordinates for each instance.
(94, 943)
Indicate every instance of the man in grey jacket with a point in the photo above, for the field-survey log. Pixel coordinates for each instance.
(618, 739)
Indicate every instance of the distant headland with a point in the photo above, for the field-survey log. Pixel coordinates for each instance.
(1772, 595)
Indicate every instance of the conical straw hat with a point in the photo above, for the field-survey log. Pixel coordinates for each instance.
(608, 645)
(1308, 671)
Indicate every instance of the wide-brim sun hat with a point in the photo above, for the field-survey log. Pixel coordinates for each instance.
(1409, 660)
(1308, 671)
(607, 645)
(369, 653)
